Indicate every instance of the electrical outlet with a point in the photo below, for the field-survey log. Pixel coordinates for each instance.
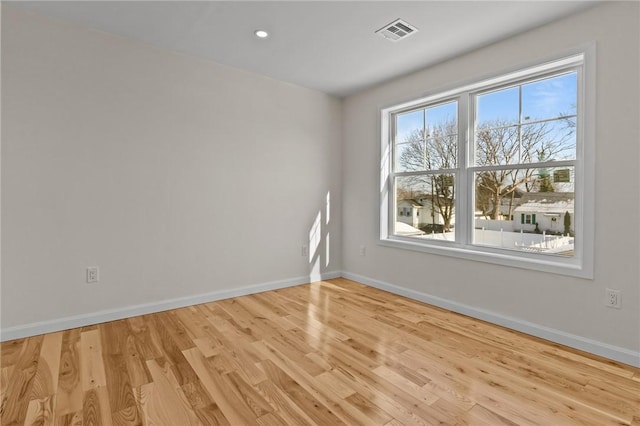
(613, 298)
(363, 250)
(304, 252)
(93, 274)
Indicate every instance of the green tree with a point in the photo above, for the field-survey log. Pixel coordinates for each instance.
(545, 181)
(567, 223)
(544, 177)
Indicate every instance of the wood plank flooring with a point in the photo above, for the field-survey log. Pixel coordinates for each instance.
(329, 353)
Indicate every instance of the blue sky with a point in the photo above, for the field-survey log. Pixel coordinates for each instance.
(541, 99)
(408, 123)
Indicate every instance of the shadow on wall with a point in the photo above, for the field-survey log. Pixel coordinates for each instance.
(319, 260)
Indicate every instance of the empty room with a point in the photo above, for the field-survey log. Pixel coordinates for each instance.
(320, 213)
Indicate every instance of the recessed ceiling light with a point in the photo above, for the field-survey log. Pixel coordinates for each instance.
(261, 33)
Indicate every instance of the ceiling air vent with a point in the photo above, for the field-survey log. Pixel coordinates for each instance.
(397, 30)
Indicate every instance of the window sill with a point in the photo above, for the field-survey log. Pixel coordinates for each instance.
(570, 267)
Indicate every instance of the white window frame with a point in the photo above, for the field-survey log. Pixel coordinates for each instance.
(581, 60)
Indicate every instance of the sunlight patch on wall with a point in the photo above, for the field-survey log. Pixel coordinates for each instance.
(315, 236)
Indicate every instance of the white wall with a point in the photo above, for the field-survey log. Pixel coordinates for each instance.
(535, 300)
(150, 164)
(132, 158)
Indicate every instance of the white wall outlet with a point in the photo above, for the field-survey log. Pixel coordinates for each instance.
(613, 298)
(93, 274)
(363, 250)
(304, 252)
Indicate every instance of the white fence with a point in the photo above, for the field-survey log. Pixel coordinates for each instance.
(524, 241)
(513, 240)
(495, 225)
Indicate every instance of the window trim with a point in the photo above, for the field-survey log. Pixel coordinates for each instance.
(581, 264)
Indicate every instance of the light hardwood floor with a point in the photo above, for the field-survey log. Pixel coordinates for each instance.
(329, 353)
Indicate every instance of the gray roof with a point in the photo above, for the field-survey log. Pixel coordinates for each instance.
(412, 201)
(546, 202)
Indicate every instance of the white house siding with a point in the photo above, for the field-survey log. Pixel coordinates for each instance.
(542, 213)
(413, 212)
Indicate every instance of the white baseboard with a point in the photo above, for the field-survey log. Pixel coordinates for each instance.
(615, 353)
(83, 320)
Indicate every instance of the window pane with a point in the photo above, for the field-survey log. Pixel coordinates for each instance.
(442, 119)
(411, 157)
(438, 152)
(497, 146)
(409, 126)
(549, 140)
(538, 142)
(550, 98)
(442, 152)
(425, 207)
(499, 108)
(529, 210)
(431, 148)
(442, 136)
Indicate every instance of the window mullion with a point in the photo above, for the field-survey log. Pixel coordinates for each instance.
(520, 123)
(424, 137)
(463, 191)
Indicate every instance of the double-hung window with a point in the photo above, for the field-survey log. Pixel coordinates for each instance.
(497, 167)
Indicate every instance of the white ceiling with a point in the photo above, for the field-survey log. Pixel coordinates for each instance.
(325, 45)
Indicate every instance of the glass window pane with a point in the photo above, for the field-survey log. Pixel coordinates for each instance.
(499, 108)
(549, 140)
(530, 210)
(411, 157)
(425, 207)
(441, 152)
(442, 119)
(550, 98)
(497, 146)
(409, 126)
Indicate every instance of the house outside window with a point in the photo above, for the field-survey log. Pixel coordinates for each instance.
(499, 166)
